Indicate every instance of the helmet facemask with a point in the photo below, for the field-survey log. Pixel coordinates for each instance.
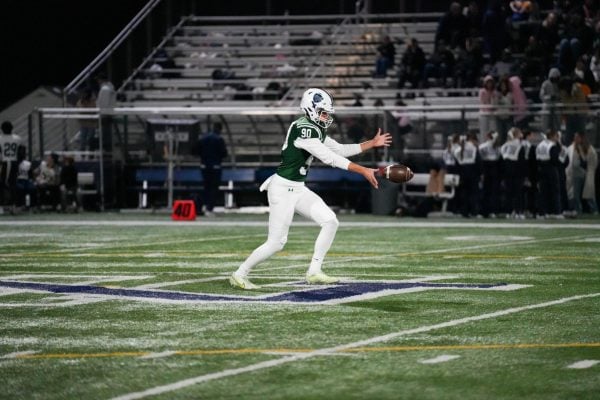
(324, 118)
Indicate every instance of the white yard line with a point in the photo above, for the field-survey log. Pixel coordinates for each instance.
(439, 359)
(344, 224)
(436, 251)
(583, 364)
(326, 351)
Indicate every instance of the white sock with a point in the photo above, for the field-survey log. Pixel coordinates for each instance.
(322, 245)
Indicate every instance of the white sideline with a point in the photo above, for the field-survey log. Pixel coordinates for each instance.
(583, 364)
(367, 342)
(439, 359)
(19, 353)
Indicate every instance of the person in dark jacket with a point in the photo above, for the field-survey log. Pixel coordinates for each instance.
(547, 155)
(212, 151)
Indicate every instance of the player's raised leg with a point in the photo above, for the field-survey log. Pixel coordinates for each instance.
(310, 205)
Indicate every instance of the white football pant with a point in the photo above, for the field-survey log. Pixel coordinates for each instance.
(285, 198)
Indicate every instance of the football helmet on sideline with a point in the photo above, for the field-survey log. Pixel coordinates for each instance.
(318, 106)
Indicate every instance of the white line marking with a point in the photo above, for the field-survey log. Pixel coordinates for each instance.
(158, 355)
(176, 283)
(439, 359)
(345, 224)
(584, 364)
(18, 353)
(367, 342)
(486, 238)
(436, 251)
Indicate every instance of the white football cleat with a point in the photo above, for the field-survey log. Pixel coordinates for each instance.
(242, 282)
(320, 277)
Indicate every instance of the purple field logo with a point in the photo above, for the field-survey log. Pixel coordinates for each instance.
(292, 292)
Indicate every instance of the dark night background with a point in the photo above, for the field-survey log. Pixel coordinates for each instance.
(48, 42)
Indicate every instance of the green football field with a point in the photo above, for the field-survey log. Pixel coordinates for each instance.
(103, 306)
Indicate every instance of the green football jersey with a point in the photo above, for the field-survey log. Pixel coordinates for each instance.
(295, 162)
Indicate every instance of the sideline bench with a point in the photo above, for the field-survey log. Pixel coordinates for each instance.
(416, 187)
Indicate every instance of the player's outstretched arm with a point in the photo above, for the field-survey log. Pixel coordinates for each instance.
(379, 140)
(368, 173)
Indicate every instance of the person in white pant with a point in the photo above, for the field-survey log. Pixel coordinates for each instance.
(306, 139)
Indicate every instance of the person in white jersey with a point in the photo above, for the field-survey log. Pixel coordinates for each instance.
(9, 144)
(306, 139)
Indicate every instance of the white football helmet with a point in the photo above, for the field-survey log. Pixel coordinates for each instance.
(318, 106)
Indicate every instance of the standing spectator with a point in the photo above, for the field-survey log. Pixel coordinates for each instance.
(212, 151)
(388, 51)
(68, 183)
(473, 15)
(488, 98)
(550, 95)
(9, 145)
(412, 65)
(468, 160)
(531, 179)
(453, 27)
(571, 94)
(546, 154)
(520, 117)
(469, 64)
(504, 111)
(580, 173)
(533, 63)
(25, 187)
(106, 101)
(489, 152)
(87, 130)
(493, 30)
(513, 154)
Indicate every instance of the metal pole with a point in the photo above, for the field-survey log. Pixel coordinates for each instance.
(30, 136)
(170, 169)
(41, 133)
(101, 159)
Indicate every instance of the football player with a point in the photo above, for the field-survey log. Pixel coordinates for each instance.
(306, 139)
(9, 144)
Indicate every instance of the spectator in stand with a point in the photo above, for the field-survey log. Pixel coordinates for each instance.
(504, 112)
(453, 27)
(550, 95)
(388, 50)
(469, 64)
(87, 130)
(212, 151)
(533, 63)
(68, 184)
(546, 154)
(473, 15)
(531, 181)
(584, 77)
(489, 151)
(520, 117)
(520, 10)
(488, 98)
(469, 163)
(506, 66)
(563, 159)
(547, 33)
(577, 39)
(571, 94)
(513, 154)
(595, 69)
(580, 174)
(590, 11)
(493, 30)
(440, 65)
(596, 42)
(413, 64)
(47, 177)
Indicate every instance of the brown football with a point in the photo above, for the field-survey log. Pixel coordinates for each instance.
(396, 173)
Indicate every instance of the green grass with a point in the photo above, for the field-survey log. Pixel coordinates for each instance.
(93, 350)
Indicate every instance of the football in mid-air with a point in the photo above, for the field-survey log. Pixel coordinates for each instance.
(396, 173)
